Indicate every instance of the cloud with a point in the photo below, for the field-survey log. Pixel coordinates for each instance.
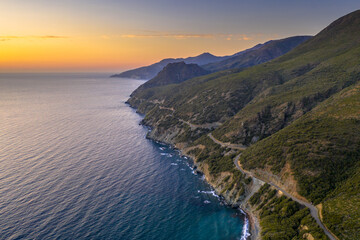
(245, 38)
(168, 35)
(51, 36)
(242, 37)
(105, 36)
(8, 38)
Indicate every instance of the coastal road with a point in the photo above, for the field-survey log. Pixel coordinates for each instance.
(204, 126)
(313, 210)
(227, 145)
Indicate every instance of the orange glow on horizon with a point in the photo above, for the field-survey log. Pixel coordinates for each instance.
(42, 38)
(44, 53)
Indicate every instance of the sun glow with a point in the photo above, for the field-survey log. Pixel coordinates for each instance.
(40, 35)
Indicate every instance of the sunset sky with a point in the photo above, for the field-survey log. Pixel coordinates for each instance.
(112, 36)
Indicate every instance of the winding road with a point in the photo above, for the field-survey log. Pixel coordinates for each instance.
(227, 145)
(313, 210)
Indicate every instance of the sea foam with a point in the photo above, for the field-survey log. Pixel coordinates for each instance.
(246, 229)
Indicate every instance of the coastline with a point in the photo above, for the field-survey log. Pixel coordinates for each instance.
(250, 228)
(254, 226)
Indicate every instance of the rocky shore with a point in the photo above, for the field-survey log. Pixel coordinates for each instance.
(230, 198)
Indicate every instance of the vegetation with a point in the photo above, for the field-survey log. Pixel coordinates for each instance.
(173, 73)
(282, 218)
(341, 209)
(214, 155)
(322, 147)
(220, 160)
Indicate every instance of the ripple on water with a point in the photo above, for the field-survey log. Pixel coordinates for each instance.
(74, 164)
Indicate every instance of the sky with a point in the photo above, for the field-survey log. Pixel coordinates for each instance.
(115, 35)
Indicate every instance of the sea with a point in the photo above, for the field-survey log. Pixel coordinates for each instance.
(76, 164)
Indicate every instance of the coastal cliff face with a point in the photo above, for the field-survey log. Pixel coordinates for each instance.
(299, 117)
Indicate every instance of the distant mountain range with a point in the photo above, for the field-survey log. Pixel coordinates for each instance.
(249, 57)
(151, 71)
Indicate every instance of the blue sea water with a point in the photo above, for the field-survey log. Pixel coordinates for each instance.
(75, 164)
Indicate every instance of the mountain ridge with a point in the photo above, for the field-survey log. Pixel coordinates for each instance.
(148, 72)
(259, 54)
(249, 57)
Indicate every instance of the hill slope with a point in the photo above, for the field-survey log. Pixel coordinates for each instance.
(322, 150)
(173, 73)
(257, 55)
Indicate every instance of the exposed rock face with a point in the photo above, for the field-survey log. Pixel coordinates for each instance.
(272, 119)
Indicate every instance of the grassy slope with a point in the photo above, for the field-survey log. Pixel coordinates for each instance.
(174, 73)
(323, 149)
(341, 209)
(282, 218)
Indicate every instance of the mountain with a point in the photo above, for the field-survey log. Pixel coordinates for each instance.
(173, 73)
(295, 121)
(149, 72)
(259, 54)
(249, 57)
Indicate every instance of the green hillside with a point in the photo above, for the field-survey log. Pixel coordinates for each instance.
(299, 114)
(173, 73)
(323, 149)
(323, 146)
(282, 218)
(341, 209)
